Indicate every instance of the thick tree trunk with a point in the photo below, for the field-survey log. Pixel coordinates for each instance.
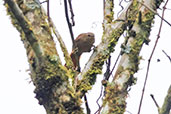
(47, 73)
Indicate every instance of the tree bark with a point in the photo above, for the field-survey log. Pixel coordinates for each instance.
(49, 76)
(165, 109)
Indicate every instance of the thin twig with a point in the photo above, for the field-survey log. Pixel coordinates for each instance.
(98, 111)
(167, 55)
(149, 60)
(104, 1)
(155, 102)
(107, 73)
(129, 112)
(115, 64)
(69, 24)
(43, 2)
(72, 13)
(48, 10)
(106, 78)
(100, 107)
(97, 101)
(120, 4)
(86, 104)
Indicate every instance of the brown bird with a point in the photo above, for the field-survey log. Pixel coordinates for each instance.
(83, 43)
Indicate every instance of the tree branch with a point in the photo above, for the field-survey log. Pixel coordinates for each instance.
(152, 96)
(68, 60)
(108, 13)
(149, 60)
(138, 34)
(69, 24)
(26, 27)
(48, 10)
(167, 103)
(101, 53)
(156, 13)
(167, 55)
(51, 79)
(72, 13)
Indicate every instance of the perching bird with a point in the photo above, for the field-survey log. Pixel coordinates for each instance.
(83, 43)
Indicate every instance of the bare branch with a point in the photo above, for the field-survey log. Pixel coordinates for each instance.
(167, 55)
(97, 101)
(107, 73)
(149, 60)
(152, 96)
(48, 10)
(72, 13)
(43, 2)
(167, 103)
(115, 64)
(86, 104)
(120, 4)
(69, 24)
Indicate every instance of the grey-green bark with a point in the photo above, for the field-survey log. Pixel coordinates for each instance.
(49, 76)
(165, 109)
(117, 90)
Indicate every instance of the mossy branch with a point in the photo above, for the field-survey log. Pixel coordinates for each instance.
(138, 34)
(101, 53)
(50, 78)
(69, 63)
(26, 27)
(108, 11)
(167, 103)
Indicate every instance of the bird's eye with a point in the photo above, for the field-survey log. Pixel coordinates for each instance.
(89, 35)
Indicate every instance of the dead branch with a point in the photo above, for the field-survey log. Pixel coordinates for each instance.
(149, 60)
(72, 13)
(152, 96)
(68, 22)
(165, 109)
(167, 55)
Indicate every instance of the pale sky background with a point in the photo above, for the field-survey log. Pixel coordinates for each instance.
(16, 93)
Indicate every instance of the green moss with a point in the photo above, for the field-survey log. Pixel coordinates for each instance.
(139, 39)
(133, 9)
(96, 68)
(131, 33)
(109, 8)
(113, 38)
(115, 99)
(13, 20)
